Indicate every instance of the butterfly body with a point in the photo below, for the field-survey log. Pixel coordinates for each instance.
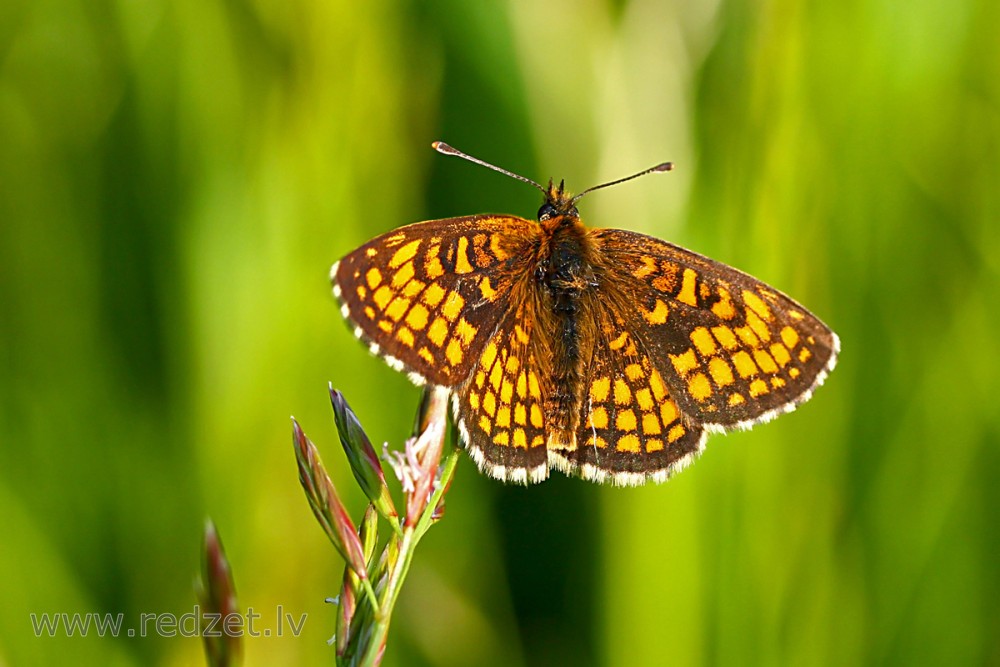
(599, 352)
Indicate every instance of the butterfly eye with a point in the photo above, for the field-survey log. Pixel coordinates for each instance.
(546, 211)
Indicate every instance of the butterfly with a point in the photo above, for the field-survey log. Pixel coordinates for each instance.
(602, 353)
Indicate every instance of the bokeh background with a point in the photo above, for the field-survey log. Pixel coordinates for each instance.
(177, 177)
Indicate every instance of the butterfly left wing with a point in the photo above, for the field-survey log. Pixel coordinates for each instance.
(428, 296)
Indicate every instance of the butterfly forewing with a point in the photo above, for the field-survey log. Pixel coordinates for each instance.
(428, 296)
(732, 350)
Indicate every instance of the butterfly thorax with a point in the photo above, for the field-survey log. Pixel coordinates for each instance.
(565, 281)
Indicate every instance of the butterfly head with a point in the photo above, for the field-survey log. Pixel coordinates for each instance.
(557, 202)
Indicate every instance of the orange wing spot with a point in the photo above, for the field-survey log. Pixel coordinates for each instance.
(536, 416)
(628, 443)
(502, 438)
(703, 341)
(723, 308)
(474, 401)
(382, 297)
(520, 334)
(793, 373)
(758, 326)
(405, 336)
(655, 445)
(426, 355)
(413, 288)
(417, 317)
(452, 306)
(804, 354)
(758, 388)
(634, 372)
(465, 331)
(520, 414)
(362, 292)
(790, 337)
(454, 352)
(757, 305)
(748, 337)
(619, 343)
(522, 385)
(485, 425)
(490, 403)
(796, 315)
(533, 390)
(397, 308)
(688, 283)
(650, 424)
(780, 354)
(659, 313)
(726, 337)
(811, 340)
(699, 386)
(623, 395)
(675, 434)
(496, 374)
(625, 421)
(684, 363)
(374, 277)
(598, 442)
(599, 389)
(648, 267)
(538, 441)
(503, 416)
(765, 361)
(489, 355)
(496, 246)
(403, 275)
(644, 400)
(744, 364)
(777, 382)
(370, 312)
(433, 267)
(438, 331)
(513, 363)
(520, 439)
(506, 391)
(433, 295)
(371, 252)
(598, 418)
(668, 412)
(404, 254)
(486, 289)
(462, 264)
(722, 374)
(656, 384)
(385, 325)
(480, 379)
(736, 399)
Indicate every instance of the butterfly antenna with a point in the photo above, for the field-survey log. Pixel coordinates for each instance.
(663, 166)
(445, 149)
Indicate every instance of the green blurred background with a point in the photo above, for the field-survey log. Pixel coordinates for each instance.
(177, 177)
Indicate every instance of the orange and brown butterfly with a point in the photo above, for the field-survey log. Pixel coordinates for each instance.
(598, 352)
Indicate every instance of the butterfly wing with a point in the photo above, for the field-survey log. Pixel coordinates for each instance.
(686, 346)
(733, 350)
(427, 297)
